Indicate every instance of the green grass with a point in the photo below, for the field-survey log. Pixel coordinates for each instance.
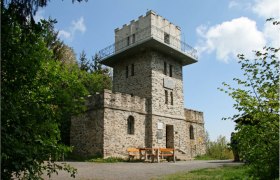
(107, 160)
(204, 157)
(222, 173)
(79, 158)
(96, 158)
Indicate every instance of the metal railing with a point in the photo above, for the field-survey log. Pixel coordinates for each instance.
(143, 34)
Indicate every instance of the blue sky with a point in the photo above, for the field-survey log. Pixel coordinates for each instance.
(218, 29)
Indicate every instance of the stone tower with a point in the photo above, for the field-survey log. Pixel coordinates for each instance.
(146, 106)
(147, 59)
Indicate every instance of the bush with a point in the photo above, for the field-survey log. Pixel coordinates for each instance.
(218, 149)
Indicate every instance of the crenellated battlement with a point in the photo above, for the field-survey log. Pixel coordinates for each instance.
(194, 116)
(148, 14)
(151, 28)
(117, 100)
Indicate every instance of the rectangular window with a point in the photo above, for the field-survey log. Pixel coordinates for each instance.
(128, 39)
(171, 98)
(166, 97)
(132, 69)
(126, 71)
(165, 68)
(130, 125)
(170, 70)
(166, 38)
(133, 38)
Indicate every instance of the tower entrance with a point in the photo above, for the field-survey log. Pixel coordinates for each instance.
(169, 136)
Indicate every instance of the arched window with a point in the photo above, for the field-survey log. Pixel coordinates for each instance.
(130, 125)
(191, 132)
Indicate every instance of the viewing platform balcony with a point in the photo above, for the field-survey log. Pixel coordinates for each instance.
(150, 37)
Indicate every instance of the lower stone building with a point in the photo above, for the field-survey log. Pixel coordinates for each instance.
(116, 121)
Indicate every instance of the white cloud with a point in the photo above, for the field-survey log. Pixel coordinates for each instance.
(263, 8)
(267, 8)
(76, 26)
(39, 15)
(271, 33)
(240, 4)
(233, 4)
(64, 34)
(230, 38)
(79, 25)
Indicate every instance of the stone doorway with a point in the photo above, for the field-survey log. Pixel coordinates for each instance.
(169, 136)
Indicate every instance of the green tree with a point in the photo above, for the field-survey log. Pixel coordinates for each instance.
(95, 77)
(61, 52)
(257, 123)
(219, 149)
(96, 66)
(28, 8)
(84, 62)
(42, 87)
(36, 92)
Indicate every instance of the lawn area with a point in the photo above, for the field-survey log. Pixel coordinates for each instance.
(225, 172)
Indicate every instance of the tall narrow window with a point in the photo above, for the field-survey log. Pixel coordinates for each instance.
(130, 125)
(128, 39)
(166, 38)
(165, 68)
(170, 70)
(166, 96)
(133, 38)
(171, 98)
(126, 72)
(132, 69)
(191, 132)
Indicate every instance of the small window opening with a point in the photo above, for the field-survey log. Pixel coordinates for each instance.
(130, 125)
(171, 98)
(191, 132)
(165, 68)
(166, 96)
(170, 70)
(126, 71)
(132, 69)
(133, 38)
(128, 39)
(166, 38)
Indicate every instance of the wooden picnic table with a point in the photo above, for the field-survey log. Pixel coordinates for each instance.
(152, 153)
(146, 153)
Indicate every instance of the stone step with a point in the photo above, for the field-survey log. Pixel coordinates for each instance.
(182, 155)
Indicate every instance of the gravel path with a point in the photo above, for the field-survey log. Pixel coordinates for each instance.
(135, 171)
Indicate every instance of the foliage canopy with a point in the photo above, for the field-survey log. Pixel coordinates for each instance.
(40, 92)
(257, 123)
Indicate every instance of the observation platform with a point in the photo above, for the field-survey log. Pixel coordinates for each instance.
(152, 38)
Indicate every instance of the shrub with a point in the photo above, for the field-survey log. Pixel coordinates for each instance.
(218, 149)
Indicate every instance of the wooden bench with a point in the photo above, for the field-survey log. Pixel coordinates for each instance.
(132, 152)
(167, 152)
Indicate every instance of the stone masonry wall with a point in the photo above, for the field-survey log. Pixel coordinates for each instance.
(116, 136)
(103, 127)
(179, 128)
(140, 83)
(117, 108)
(122, 101)
(197, 145)
(194, 116)
(158, 90)
(150, 19)
(86, 134)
